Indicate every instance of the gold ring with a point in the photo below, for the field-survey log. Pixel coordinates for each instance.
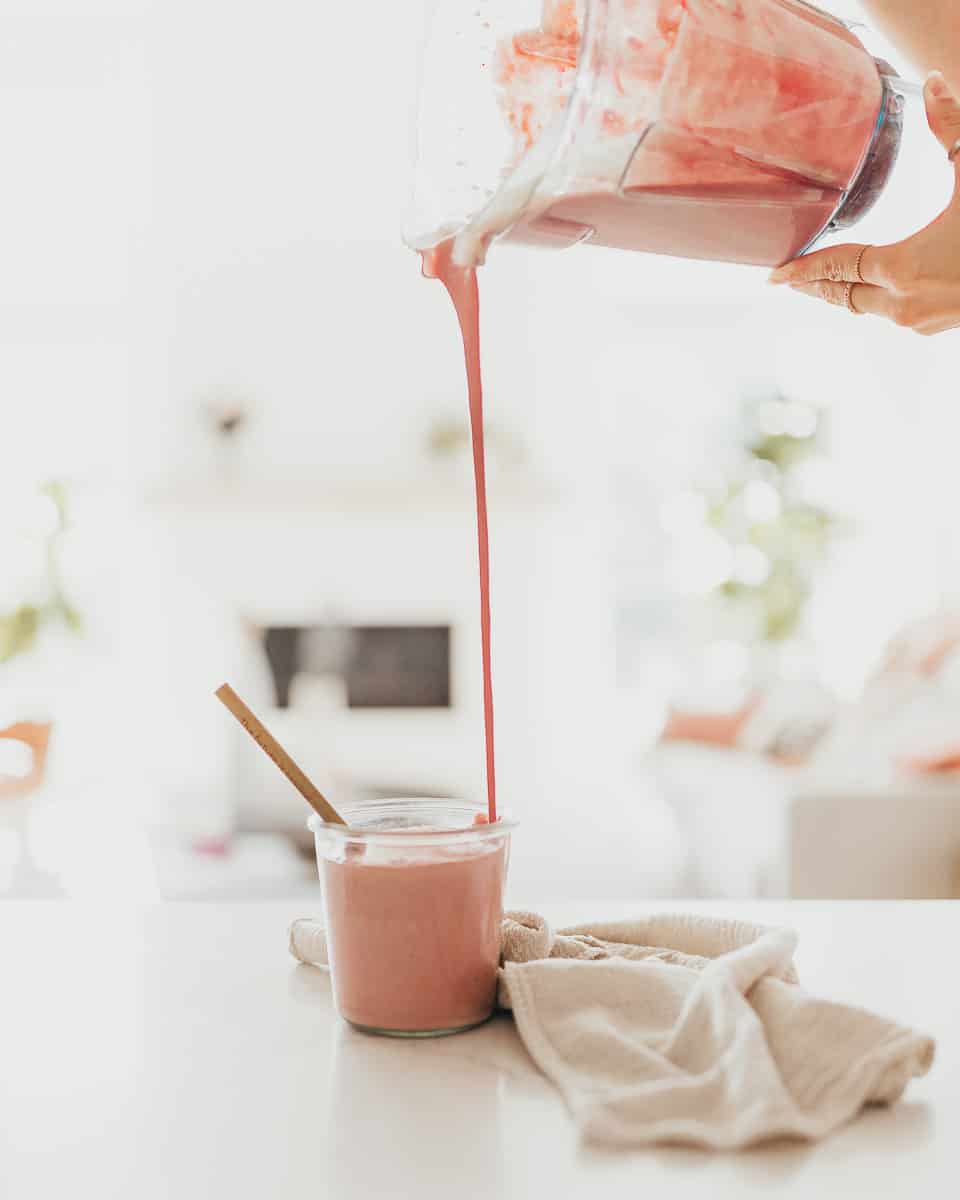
(848, 300)
(859, 267)
(954, 150)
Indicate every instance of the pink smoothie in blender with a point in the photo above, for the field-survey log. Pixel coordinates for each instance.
(736, 130)
(739, 126)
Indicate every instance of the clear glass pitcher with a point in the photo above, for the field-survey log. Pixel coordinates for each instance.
(733, 130)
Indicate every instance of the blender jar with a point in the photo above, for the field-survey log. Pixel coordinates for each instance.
(733, 130)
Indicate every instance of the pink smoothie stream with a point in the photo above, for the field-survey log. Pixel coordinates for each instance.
(461, 283)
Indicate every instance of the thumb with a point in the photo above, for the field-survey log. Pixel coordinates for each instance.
(943, 110)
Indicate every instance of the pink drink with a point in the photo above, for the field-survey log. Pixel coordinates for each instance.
(461, 285)
(413, 920)
(724, 129)
(769, 227)
(414, 947)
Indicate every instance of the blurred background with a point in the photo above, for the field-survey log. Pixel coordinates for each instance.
(233, 445)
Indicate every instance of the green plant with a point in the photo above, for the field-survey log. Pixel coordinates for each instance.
(773, 529)
(20, 627)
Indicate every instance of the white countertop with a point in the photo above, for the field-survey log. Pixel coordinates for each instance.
(177, 1051)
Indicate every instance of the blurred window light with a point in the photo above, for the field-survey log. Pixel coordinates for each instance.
(702, 564)
(771, 418)
(683, 512)
(21, 572)
(28, 512)
(16, 759)
(761, 501)
(778, 417)
(726, 661)
(750, 566)
(11, 850)
(800, 420)
(818, 480)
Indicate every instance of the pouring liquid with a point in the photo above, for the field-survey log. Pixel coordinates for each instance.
(461, 284)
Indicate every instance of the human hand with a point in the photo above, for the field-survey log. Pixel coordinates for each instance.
(914, 283)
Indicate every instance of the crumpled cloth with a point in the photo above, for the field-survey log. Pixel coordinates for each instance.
(685, 1028)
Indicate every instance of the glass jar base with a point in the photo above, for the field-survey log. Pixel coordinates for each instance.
(417, 1033)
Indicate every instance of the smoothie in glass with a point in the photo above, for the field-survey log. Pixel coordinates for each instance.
(413, 902)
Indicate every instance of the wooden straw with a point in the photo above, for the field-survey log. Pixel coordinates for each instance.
(270, 746)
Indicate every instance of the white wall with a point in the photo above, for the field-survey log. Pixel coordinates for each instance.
(282, 143)
(75, 129)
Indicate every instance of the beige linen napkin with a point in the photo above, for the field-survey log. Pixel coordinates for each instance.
(687, 1029)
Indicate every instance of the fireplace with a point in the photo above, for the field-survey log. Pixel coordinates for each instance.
(380, 666)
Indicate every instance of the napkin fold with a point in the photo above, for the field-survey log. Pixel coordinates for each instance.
(685, 1028)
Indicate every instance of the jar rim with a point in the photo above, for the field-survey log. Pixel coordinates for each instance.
(429, 810)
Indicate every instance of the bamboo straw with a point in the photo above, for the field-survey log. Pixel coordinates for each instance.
(270, 746)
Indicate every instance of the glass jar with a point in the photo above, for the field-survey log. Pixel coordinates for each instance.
(413, 902)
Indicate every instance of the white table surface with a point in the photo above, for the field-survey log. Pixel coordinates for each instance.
(178, 1052)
